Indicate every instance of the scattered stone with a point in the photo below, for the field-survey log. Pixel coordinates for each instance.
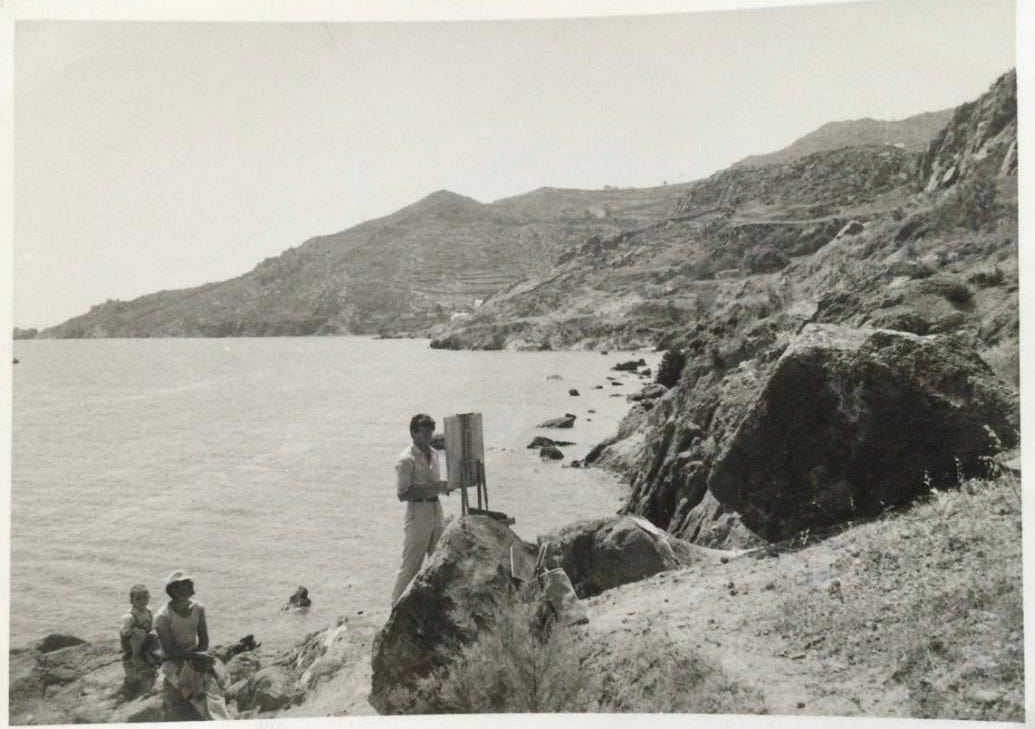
(244, 645)
(300, 599)
(573, 392)
(550, 453)
(576, 463)
(598, 387)
(649, 392)
(629, 366)
(554, 377)
(568, 421)
(541, 441)
(57, 641)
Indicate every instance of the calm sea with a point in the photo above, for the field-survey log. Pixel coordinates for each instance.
(263, 464)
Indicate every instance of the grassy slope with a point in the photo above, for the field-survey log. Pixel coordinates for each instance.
(918, 614)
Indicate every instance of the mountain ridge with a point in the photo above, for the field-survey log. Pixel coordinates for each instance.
(913, 133)
(413, 270)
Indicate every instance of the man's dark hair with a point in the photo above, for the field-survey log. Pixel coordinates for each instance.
(420, 420)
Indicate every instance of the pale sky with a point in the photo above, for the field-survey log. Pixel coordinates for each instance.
(163, 155)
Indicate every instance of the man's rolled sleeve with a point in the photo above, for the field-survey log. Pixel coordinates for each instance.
(403, 478)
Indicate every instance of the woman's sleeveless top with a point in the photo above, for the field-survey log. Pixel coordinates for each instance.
(184, 630)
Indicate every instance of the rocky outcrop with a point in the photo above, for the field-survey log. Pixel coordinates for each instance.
(981, 139)
(75, 683)
(268, 689)
(649, 392)
(601, 554)
(624, 451)
(853, 421)
(845, 423)
(65, 680)
(446, 606)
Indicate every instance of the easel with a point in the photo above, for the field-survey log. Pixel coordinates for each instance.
(465, 464)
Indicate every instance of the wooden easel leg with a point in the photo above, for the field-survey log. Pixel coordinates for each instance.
(483, 487)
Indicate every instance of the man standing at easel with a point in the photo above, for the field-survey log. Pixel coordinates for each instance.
(418, 483)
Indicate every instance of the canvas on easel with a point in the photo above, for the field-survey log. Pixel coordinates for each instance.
(465, 455)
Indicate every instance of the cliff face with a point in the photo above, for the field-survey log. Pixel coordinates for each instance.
(939, 262)
(979, 142)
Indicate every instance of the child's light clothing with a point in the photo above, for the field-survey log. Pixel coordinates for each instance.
(136, 619)
(139, 668)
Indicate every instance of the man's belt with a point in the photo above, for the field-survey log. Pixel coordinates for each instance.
(429, 500)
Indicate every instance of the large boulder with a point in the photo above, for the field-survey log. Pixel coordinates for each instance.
(603, 553)
(454, 597)
(851, 421)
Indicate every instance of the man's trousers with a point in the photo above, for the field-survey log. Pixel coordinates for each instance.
(421, 529)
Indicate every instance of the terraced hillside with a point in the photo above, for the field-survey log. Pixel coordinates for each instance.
(776, 245)
(400, 273)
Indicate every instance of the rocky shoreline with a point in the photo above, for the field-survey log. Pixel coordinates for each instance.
(847, 328)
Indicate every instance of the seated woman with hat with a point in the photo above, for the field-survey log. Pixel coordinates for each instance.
(193, 680)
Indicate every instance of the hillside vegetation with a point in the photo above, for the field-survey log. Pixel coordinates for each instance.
(397, 274)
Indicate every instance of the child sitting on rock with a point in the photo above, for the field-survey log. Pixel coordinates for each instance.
(140, 650)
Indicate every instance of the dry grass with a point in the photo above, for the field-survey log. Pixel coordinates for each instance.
(517, 667)
(931, 600)
(661, 675)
